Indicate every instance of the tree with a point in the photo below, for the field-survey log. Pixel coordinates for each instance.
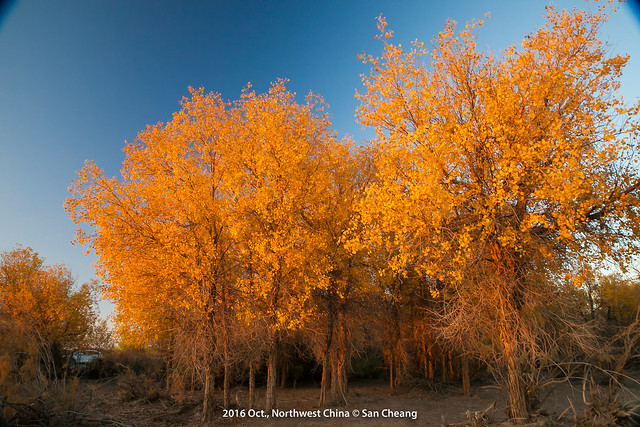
(497, 170)
(335, 330)
(41, 306)
(162, 235)
(206, 233)
(619, 299)
(281, 181)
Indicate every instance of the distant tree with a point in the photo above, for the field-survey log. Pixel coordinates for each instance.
(40, 306)
(619, 299)
(497, 171)
(99, 336)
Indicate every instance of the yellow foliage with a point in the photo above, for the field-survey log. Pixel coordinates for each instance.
(40, 302)
(619, 299)
(213, 214)
(529, 149)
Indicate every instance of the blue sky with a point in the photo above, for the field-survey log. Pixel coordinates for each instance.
(78, 78)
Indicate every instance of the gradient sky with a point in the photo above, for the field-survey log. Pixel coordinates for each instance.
(78, 78)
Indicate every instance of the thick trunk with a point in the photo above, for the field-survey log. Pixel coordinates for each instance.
(466, 382)
(335, 382)
(518, 412)
(338, 381)
(272, 363)
(326, 364)
(252, 385)
(207, 401)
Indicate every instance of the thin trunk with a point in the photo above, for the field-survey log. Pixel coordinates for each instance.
(391, 372)
(272, 363)
(207, 402)
(591, 301)
(226, 385)
(252, 385)
(397, 369)
(325, 380)
(431, 371)
(425, 359)
(466, 382)
(169, 380)
(443, 359)
(452, 372)
(284, 374)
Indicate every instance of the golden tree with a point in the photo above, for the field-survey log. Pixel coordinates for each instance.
(281, 181)
(495, 169)
(207, 231)
(41, 306)
(162, 233)
(619, 299)
(334, 331)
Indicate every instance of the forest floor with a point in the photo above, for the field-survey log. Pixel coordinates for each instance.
(370, 403)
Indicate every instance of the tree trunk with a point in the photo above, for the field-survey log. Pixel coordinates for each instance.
(518, 412)
(339, 370)
(338, 380)
(226, 385)
(391, 379)
(431, 372)
(252, 385)
(325, 380)
(326, 364)
(272, 363)
(207, 402)
(284, 373)
(466, 382)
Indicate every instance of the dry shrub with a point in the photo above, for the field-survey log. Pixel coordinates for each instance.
(132, 386)
(176, 387)
(115, 363)
(476, 419)
(59, 404)
(27, 398)
(604, 407)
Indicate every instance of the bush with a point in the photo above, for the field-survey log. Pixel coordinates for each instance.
(132, 386)
(369, 365)
(59, 405)
(119, 362)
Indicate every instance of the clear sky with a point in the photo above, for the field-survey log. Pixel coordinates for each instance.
(78, 78)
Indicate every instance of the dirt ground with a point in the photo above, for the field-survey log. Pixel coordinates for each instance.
(369, 403)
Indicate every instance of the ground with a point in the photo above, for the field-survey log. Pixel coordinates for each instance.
(369, 400)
